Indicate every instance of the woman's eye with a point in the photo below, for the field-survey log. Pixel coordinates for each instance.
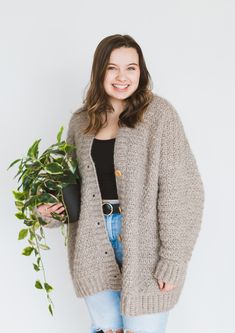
(111, 67)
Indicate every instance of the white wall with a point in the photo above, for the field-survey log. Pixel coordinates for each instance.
(45, 62)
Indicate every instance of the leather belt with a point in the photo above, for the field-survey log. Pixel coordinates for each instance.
(110, 208)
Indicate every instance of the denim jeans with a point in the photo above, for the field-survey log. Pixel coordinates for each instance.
(104, 306)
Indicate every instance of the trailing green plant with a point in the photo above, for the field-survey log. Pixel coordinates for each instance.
(42, 178)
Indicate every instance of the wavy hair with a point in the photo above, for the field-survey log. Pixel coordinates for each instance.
(96, 101)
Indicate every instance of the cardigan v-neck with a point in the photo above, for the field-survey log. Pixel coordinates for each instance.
(161, 196)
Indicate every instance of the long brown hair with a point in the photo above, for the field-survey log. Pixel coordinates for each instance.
(96, 101)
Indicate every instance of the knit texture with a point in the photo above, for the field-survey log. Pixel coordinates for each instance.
(161, 195)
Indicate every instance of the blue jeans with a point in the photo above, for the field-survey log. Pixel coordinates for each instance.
(104, 306)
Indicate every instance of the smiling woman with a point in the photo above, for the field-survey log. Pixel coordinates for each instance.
(141, 196)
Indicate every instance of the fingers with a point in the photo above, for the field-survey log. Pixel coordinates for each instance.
(160, 283)
(60, 210)
(164, 286)
(47, 209)
(57, 208)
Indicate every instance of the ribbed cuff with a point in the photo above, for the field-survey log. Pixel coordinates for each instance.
(170, 271)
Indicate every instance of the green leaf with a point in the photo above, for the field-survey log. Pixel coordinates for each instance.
(21, 216)
(21, 173)
(48, 287)
(50, 309)
(39, 237)
(36, 165)
(19, 195)
(13, 163)
(57, 216)
(32, 234)
(41, 198)
(54, 168)
(27, 182)
(27, 251)
(42, 232)
(31, 242)
(32, 201)
(38, 285)
(51, 185)
(41, 221)
(60, 134)
(22, 234)
(47, 198)
(19, 204)
(72, 164)
(34, 188)
(44, 247)
(42, 158)
(59, 160)
(33, 150)
(29, 223)
(36, 267)
(69, 149)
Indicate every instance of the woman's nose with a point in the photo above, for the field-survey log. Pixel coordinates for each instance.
(121, 76)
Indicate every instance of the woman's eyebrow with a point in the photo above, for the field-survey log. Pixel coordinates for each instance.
(132, 63)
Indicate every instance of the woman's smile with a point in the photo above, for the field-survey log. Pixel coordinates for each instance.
(120, 87)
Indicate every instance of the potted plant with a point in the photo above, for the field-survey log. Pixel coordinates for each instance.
(45, 179)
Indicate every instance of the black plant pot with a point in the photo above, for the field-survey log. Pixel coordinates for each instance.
(72, 199)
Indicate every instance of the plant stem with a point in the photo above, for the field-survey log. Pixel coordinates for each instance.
(43, 270)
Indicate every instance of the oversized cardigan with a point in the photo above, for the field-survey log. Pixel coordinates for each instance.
(161, 196)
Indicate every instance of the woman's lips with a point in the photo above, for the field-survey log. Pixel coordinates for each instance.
(120, 87)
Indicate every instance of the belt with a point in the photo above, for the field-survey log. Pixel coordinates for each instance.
(110, 208)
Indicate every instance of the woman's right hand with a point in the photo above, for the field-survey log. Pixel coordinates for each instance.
(46, 209)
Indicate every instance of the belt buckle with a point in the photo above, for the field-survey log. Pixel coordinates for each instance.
(108, 203)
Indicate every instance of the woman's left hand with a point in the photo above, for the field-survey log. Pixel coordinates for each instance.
(164, 286)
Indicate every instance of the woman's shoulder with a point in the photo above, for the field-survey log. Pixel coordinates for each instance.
(162, 108)
(77, 116)
(78, 112)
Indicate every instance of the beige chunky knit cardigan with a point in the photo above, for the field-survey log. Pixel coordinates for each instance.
(161, 196)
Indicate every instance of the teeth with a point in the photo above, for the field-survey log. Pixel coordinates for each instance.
(120, 86)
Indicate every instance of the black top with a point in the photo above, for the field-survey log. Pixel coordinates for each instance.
(102, 155)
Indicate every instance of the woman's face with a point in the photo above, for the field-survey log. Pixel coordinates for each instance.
(122, 73)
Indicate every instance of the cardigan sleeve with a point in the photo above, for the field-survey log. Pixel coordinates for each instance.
(180, 200)
(70, 134)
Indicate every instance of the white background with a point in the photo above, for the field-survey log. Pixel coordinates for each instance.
(45, 62)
